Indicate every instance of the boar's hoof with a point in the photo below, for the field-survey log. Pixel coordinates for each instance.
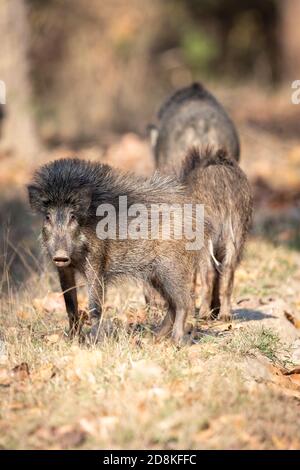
(178, 338)
(225, 316)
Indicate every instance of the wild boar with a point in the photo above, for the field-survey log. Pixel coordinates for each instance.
(191, 117)
(69, 193)
(216, 180)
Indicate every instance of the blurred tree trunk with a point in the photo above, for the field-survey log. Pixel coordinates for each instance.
(18, 130)
(290, 39)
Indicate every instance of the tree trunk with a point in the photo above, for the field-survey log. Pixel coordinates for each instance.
(18, 134)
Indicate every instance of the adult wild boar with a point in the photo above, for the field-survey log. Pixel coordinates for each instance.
(191, 117)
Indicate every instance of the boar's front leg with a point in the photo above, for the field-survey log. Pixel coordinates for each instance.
(96, 298)
(68, 286)
(175, 286)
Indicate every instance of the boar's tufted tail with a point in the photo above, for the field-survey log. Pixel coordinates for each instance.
(202, 158)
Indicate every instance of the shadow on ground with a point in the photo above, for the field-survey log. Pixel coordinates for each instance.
(245, 314)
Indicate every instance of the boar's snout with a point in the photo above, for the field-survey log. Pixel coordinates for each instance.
(61, 259)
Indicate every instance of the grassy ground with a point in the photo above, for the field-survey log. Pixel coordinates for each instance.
(225, 389)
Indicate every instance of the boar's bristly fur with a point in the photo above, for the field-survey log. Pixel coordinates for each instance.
(68, 193)
(191, 117)
(86, 185)
(217, 181)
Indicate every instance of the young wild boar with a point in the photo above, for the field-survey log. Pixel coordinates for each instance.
(68, 192)
(217, 181)
(191, 117)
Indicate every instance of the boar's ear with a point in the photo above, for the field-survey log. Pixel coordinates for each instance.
(82, 201)
(36, 200)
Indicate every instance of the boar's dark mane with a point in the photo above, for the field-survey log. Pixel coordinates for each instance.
(84, 185)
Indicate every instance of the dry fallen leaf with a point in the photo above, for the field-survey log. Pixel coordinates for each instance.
(65, 437)
(44, 373)
(51, 303)
(291, 318)
(241, 301)
(24, 315)
(222, 327)
(21, 372)
(285, 381)
(294, 375)
(296, 370)
(52, 339)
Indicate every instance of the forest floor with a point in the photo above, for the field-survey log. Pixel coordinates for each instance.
(233, 385)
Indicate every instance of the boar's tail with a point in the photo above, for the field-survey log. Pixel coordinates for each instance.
(197, 159)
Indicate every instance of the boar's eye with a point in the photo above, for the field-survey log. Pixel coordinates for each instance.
(47, 217)
(72, 217)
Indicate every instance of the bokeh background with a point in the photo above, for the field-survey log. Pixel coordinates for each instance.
(97, 67)
(86, 78)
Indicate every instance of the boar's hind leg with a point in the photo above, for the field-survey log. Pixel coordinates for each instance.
(68, 286)
(176, 290)
(215, 303)
(226, 283)
(183, 307)
(196, 290)
(208, 279)
(167, 324)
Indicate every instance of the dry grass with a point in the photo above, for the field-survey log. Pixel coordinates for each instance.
(226, 390)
